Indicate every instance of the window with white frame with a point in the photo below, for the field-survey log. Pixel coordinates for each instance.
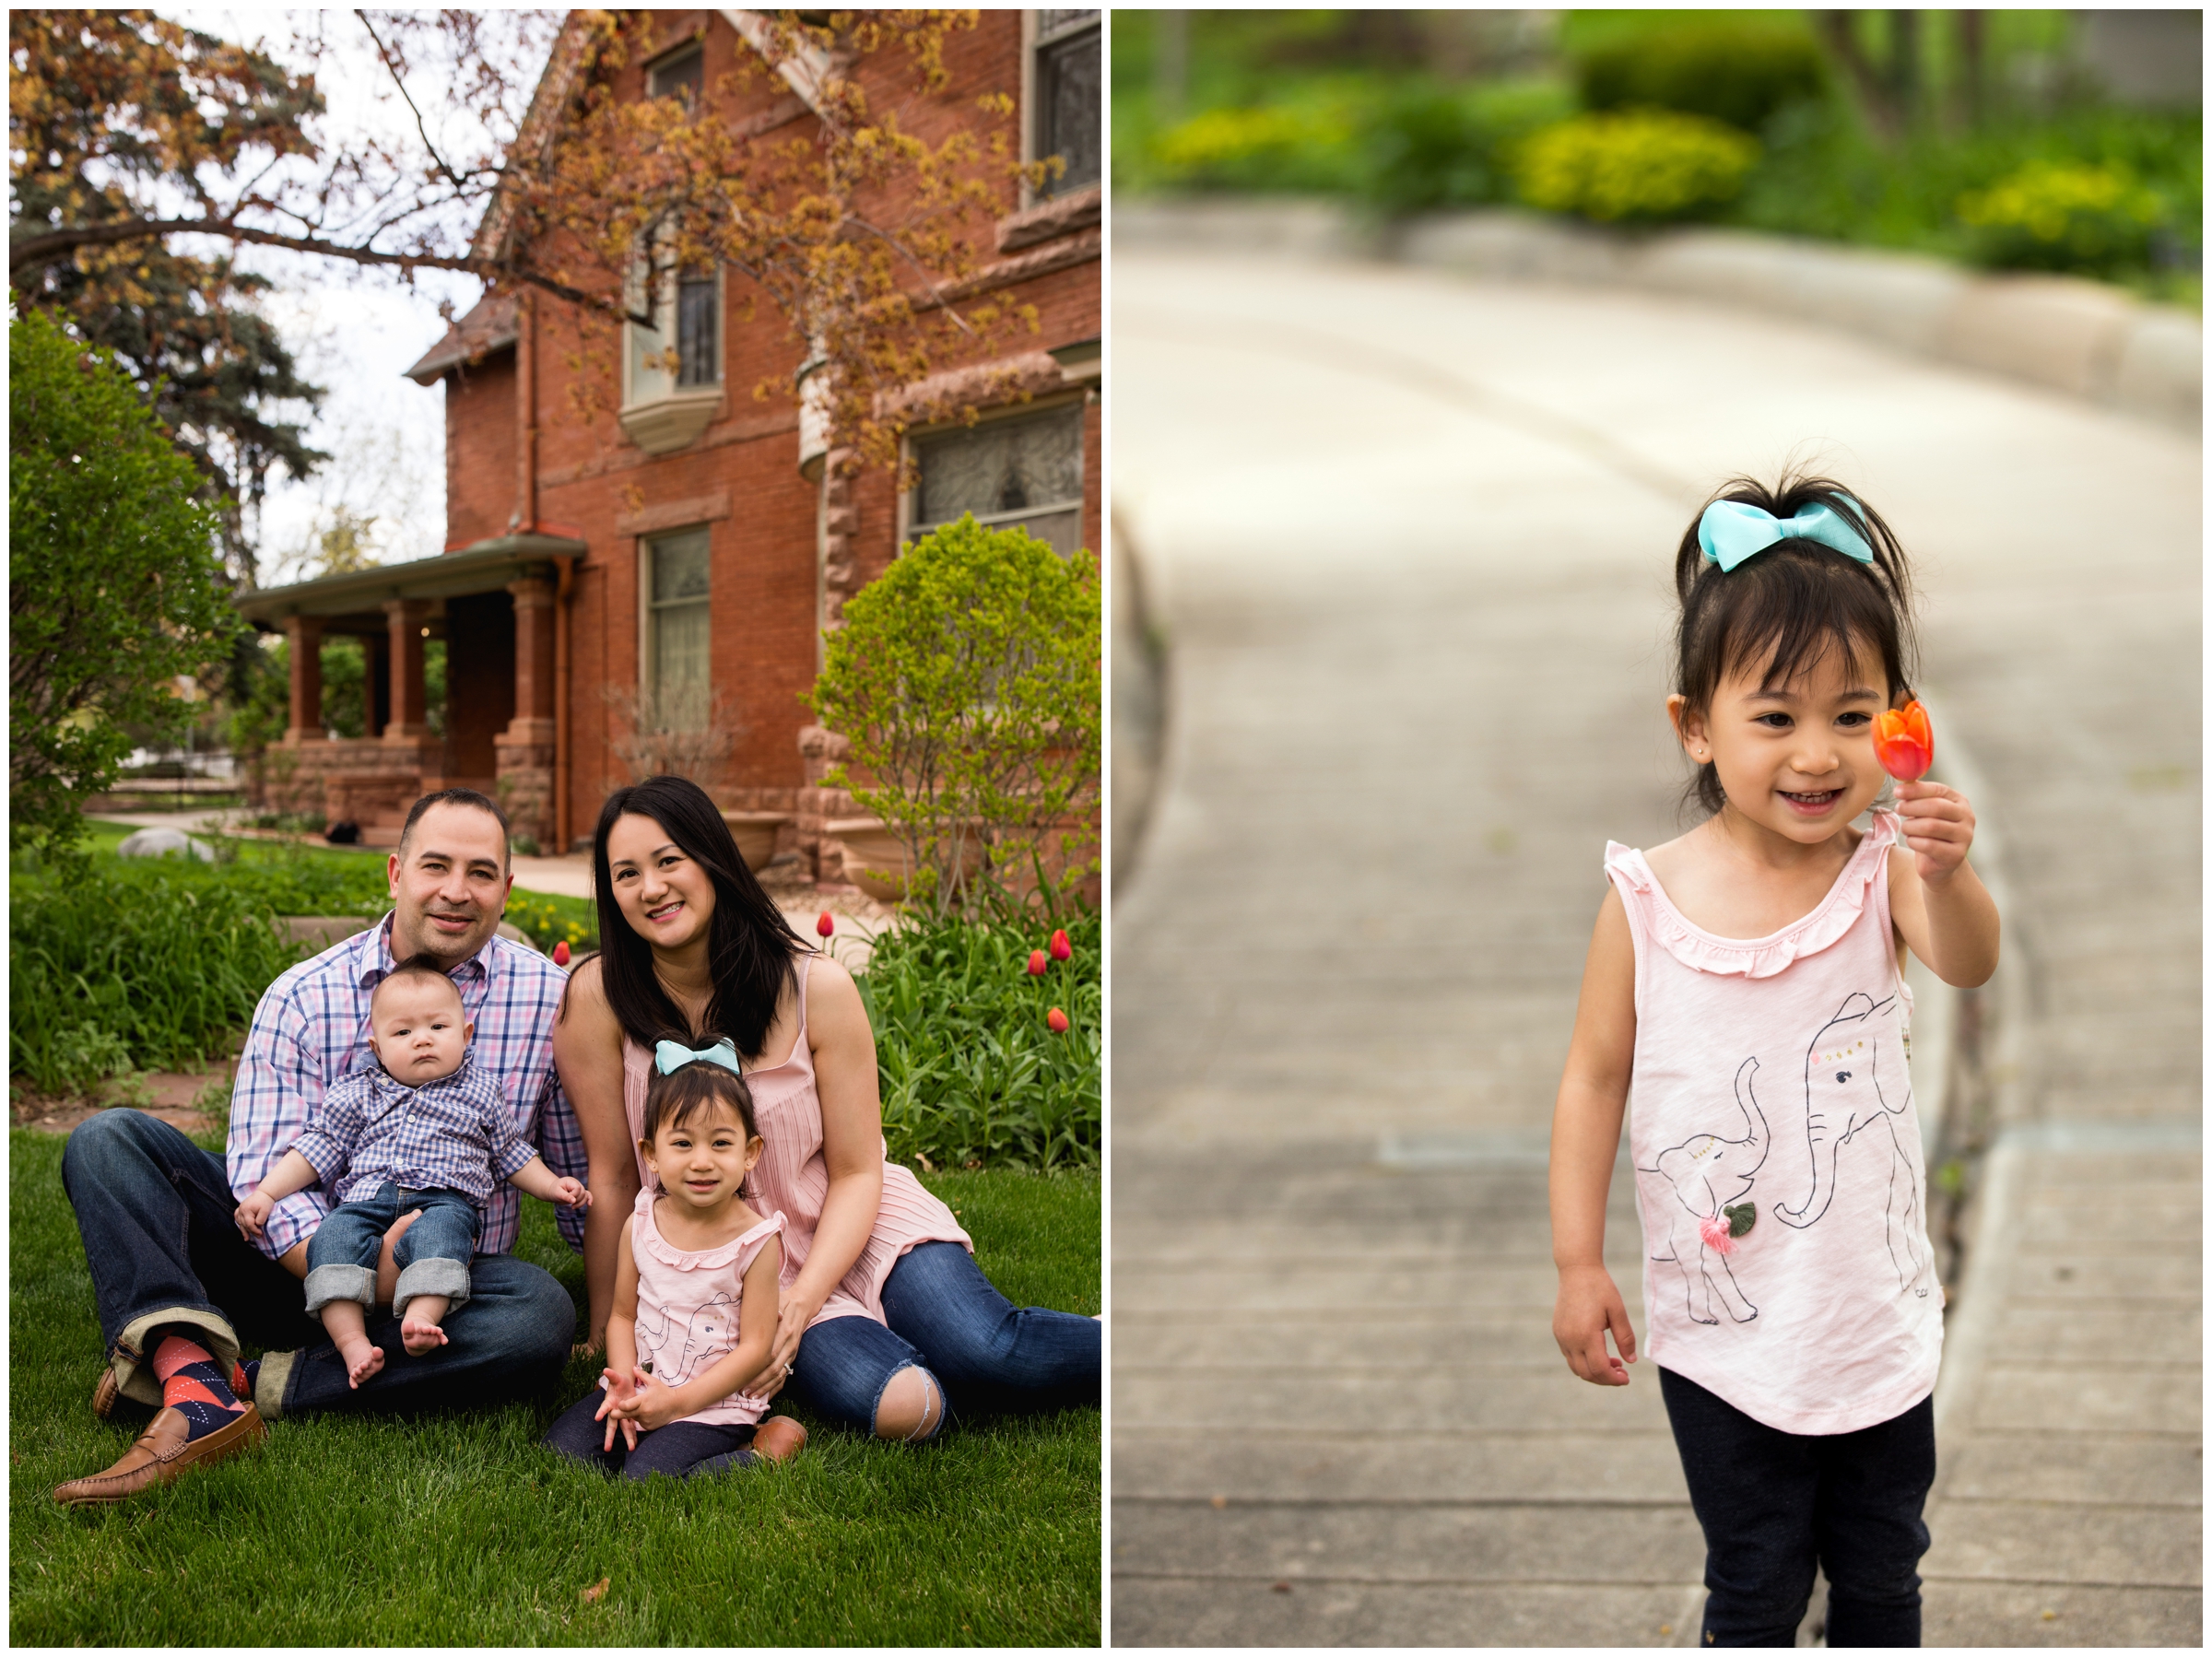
(1063, 85)
(1025, 471)
(677, 628)
(682, 350)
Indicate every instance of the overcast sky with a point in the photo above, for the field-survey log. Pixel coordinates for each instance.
(353, 331)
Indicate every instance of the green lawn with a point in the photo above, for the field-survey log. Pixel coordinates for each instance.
(460, 1530)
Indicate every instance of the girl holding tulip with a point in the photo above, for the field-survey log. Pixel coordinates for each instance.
(1744, 984)
(885, 1322)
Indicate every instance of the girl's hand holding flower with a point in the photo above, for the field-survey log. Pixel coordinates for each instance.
(1937, 823)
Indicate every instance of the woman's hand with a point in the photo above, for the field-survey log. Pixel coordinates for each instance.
(1937, 825)
(792, 1318)
(1589, 1305)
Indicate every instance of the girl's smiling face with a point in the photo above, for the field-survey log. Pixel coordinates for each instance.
(667, 899)
(1795, 758)
(702, 1161)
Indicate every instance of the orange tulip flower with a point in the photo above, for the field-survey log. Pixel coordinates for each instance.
(1903, 742)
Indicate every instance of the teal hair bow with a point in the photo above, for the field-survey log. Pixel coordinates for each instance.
(1731, 530)
(674, 1055)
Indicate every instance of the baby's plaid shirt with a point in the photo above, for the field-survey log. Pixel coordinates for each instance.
(312, 1029)
(453, 1133)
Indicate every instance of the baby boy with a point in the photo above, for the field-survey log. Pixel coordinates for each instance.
(420, 1128)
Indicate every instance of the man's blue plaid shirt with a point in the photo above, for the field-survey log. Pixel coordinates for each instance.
(312, 1029)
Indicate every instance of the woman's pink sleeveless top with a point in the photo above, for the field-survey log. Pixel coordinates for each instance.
(1777, 1154)
(688, 1302)
(791, 1176)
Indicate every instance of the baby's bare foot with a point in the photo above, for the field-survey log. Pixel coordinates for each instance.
(419, 1336)
(363, 1358)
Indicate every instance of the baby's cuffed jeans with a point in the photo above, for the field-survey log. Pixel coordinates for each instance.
(433, 1254)
(1773, 1505)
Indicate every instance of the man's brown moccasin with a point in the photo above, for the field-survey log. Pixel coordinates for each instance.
(161, 1454)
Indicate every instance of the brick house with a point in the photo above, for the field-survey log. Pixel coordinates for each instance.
(688, 551)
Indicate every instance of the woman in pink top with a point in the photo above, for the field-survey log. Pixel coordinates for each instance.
(1743, 990)
(883, 1312)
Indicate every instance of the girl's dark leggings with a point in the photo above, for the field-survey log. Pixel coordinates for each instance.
(1775, 1504)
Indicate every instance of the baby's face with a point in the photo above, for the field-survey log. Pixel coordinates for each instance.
(417, 1030)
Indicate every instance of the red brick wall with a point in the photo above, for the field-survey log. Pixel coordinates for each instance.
(763, 551)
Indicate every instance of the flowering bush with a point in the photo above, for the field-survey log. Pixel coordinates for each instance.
(973, 1067)
(2063, 216)
(1646, 165)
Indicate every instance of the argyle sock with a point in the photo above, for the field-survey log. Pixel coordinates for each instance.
(248, 1374)
(194, 1385)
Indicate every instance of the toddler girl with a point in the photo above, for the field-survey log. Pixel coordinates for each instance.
(1743, 983)
(695, 1290)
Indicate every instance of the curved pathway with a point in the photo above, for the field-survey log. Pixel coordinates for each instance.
(1409, 538)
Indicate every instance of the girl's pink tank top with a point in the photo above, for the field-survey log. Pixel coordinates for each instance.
(688, 1302)
(1777, 1154)
(792, 1177)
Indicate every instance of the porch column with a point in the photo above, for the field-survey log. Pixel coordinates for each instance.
(532, 660)
(406, 617)
(305, 634)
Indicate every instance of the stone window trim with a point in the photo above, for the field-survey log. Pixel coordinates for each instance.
(1034, 37)
(1053, 216)
(674, 514)
(909, 521)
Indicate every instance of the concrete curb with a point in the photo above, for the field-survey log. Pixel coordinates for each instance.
(2084, 338)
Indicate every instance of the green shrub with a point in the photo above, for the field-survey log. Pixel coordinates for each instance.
(2061, 216)
(1740, 74)
(969, 1071)
(1645, 166)
(967, 680)
(1422, 147)
(113, 969)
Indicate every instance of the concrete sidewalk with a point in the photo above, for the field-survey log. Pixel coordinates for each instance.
(1410, 540)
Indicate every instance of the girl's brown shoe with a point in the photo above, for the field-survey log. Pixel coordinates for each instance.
(779, 1438)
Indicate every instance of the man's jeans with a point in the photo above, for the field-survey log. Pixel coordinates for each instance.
(433, 1254)
(154, 1212)
(944, 1315)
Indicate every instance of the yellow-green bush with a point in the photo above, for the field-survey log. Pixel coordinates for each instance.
(1217, 146)
(1642, 165)
(2063, 216)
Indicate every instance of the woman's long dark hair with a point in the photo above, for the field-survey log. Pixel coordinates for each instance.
(749, 944)
(1781, 610)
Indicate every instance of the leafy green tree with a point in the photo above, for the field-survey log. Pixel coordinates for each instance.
(966, 679)
(116, 577)
(106, 109)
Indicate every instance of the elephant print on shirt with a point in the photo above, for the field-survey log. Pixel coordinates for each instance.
(677, 1353)
(1855, 1089)
(1705, 1175)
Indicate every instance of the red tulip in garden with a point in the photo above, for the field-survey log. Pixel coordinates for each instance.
(1903, 742)
(1062, 948)
(1056, 1021)
(1036, 963)
(826, 925)
(560, 953)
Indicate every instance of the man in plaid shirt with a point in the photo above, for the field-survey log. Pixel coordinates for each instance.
(177, 1283)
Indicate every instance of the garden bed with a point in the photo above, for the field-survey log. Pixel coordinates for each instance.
(461, 1529)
